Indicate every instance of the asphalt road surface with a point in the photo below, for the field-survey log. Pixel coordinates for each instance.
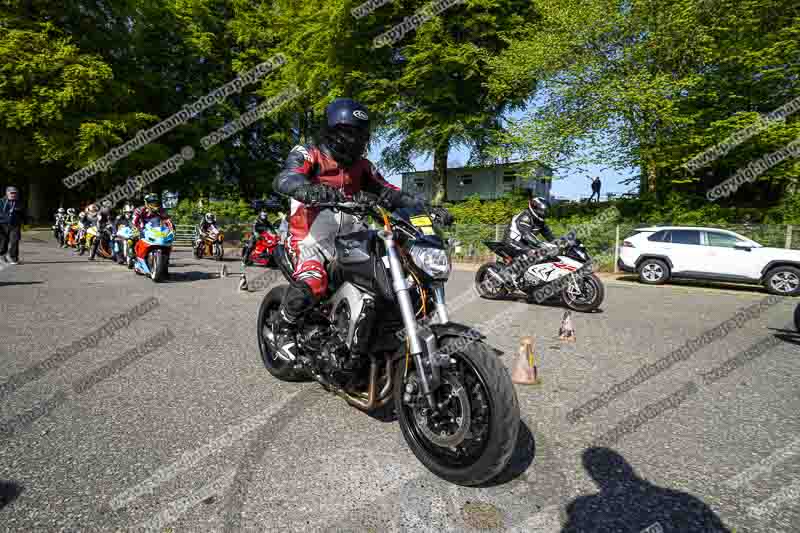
(194, 434)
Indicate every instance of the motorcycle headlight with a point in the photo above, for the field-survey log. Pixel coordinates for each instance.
(432, 261)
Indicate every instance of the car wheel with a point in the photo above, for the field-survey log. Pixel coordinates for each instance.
(783, 281)
(653, 272)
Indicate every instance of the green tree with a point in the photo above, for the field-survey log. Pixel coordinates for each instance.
(652, 83)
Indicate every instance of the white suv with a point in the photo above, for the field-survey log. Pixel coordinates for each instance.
(664, 252)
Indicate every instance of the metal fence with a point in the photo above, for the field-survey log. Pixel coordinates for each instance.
(184, 234)
(601, 240)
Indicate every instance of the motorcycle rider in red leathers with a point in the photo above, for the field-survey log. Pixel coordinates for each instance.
(333, 171)
(151, 209)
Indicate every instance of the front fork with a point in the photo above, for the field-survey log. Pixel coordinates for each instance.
(422, 347)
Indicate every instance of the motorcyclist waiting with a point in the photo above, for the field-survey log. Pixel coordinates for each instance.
(69, 219)
(103, 224)
(261, 224)
(61, 214)
(125, 218)
(208, 223)
(150, 210)
(86, 219)
(331, 171)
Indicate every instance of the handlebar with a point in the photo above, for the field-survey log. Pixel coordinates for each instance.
(353, 207)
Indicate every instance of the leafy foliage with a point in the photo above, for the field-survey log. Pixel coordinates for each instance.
(642, 83)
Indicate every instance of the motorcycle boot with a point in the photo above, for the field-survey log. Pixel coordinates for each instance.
(297, 301)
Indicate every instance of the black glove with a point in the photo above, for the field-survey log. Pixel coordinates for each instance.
(442, 216)
(389, 198)
(364, 197)
(318, 194)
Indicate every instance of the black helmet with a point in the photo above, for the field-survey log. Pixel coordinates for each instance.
(263, 216)
(210, 218)
(538, 207)
(347, 130)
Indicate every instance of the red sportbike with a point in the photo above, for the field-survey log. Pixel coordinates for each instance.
(262, 252)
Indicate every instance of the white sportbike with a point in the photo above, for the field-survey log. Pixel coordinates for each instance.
(567, 276)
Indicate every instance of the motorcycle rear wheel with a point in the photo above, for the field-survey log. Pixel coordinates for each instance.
(484, 285)
(267, 313)
(482, 413)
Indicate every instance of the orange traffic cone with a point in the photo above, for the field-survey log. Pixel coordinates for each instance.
(525, 372)
(567, 331)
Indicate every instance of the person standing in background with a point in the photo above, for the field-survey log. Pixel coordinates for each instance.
(596, 184)
(11, 217)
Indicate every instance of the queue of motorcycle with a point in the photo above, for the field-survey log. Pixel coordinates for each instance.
(145, 252)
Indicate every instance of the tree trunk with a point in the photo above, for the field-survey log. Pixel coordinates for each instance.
(439, 181)
(647, 185)
(38, 200)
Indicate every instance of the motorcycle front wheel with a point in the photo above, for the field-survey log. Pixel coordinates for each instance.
(591, 296)
(471, 440)
(157, 262)
(219, 252)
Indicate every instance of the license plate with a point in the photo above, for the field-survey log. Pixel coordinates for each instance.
(421, 220)
(424, 223)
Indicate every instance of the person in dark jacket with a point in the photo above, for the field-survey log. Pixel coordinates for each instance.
(261, 224)
(103, 223)
(527, 224)
(596, 184)
(12, 214)
(86, 219)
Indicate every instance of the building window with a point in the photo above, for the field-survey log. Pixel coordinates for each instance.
(509, 179)
(420, 184)
(465, 181)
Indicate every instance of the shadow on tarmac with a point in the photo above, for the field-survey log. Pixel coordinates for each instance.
(9, 491)
(627, 502)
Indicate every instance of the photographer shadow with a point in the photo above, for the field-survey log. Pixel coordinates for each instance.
(626, 502)
(9, 491)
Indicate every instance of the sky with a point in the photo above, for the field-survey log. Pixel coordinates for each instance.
(572, 185)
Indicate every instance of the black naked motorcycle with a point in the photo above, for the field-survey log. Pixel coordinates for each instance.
(457, 407)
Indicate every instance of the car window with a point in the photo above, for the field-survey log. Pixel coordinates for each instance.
(658, 236)
(682, 236)
(722, 239)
